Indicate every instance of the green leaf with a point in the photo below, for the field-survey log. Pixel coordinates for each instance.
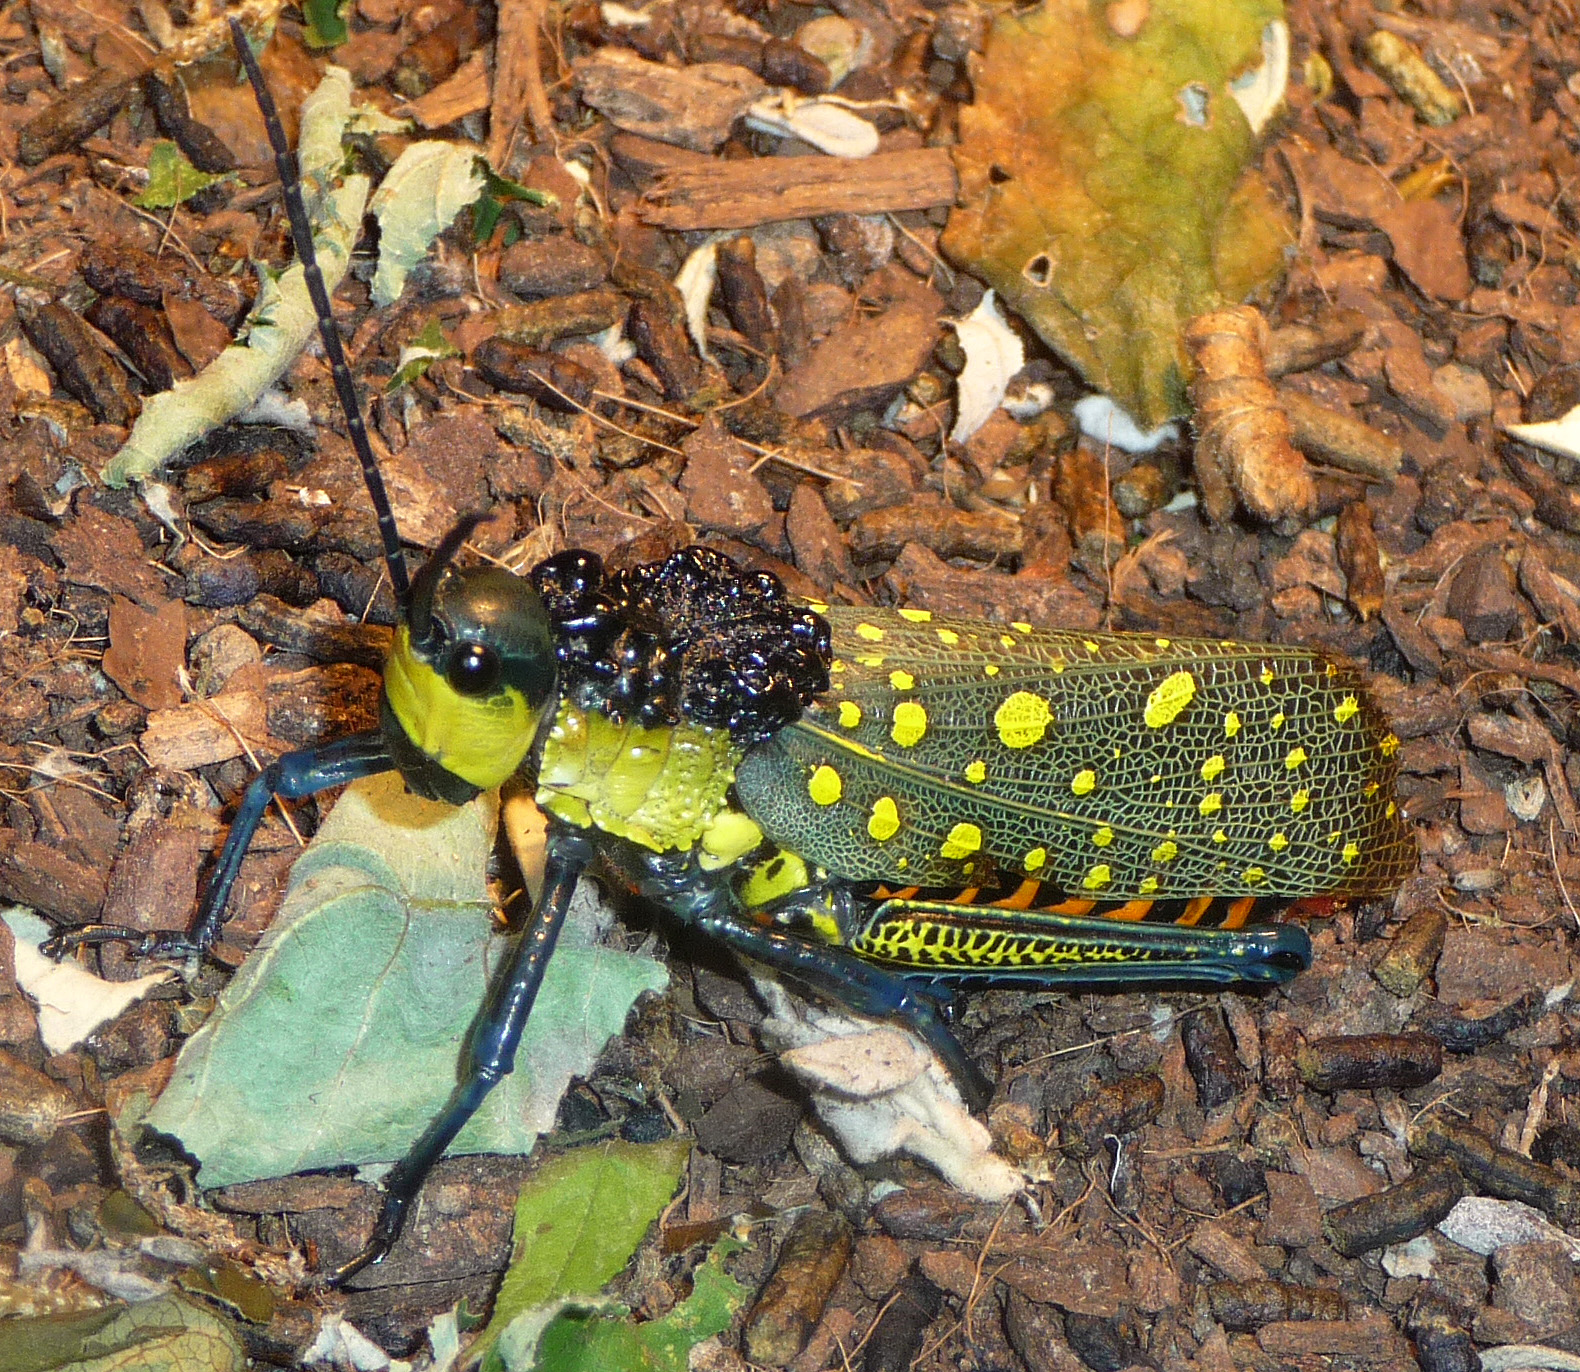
(420, 354)
(598, 1343)
(578, 1221)
(341, 1036)
(162, 1335)
(1108, 184)
(171, 178)
(326, 23)
(497, 190)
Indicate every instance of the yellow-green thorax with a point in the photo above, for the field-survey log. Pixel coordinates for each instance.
(665, 788)
(481, 740)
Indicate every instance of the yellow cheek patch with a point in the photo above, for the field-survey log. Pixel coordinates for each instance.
(482, 741)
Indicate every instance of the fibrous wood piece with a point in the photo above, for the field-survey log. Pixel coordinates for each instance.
(742, 194)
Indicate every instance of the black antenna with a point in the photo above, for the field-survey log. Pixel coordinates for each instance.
(290, 173)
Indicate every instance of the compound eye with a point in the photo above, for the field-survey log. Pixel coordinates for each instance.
(473, 669)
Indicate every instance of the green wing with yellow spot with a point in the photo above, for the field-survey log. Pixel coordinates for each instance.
(952, 752)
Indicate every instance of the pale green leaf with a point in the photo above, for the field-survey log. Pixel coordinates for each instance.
(428, 186)
(341, 1037)
(282, 319)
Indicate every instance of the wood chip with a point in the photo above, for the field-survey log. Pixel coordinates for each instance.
(742, 194)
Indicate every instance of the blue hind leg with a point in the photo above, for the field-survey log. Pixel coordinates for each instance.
(859, 985)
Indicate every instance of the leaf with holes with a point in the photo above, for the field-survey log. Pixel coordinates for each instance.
(1107, 187)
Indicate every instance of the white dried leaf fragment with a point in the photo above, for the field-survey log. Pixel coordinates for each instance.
(72, 1003)
(695, 281)
(826, 122)
(1561, 435)
(879, 1091)
(994, 353)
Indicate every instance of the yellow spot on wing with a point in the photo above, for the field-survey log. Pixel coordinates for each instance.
(948, 637)
(1253, 876)
(1213, 767)
(884, 822)
(1149, 886)
(849, 714)
(1277, 721)
(1299, 800)
(1346, 709)
(991, 669)
(1166, 851)
(824, 785)
(976, 772)
(1231, 724)
(1388, 745)
(1034, 860)
(869, 659)
(1083, 782)
(1103, 837)
(1352, 850)
(963, 840)
(901, 681)
(1296, 757)
(1168, 698)
(916, 616)
(1269, 676)
(871, 632)
(1211, 803)
(910, 724)
(1278, 842)
(1100, 876)
(1022, 720)
(1020, 626)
